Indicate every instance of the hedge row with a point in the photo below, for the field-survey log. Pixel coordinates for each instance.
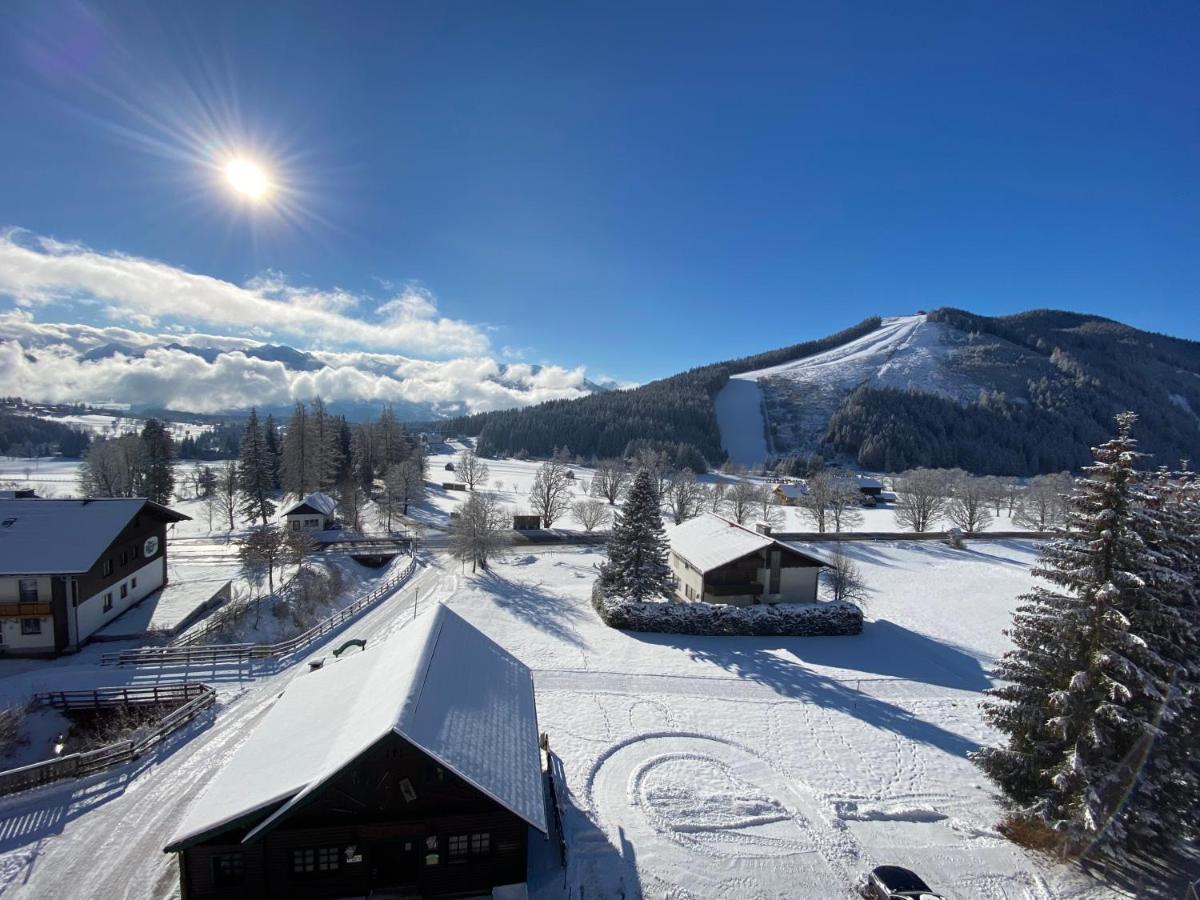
(797, 619)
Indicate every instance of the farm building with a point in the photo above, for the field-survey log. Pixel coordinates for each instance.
(526, 523)
(69, 567)
(789, 494)
(718, 561)
(409, 770)
(313, 513)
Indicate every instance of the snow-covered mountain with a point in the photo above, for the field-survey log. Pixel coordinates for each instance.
(200, 373)
(798, 398)
(1022, 393)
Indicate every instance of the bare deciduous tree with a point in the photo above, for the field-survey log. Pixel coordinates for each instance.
(921, 498)
(968, 504)
(226, 492)
(845, 504)
(817, 498)
(843, 579)
(592, 514)
(471, 470)
(767, 506)
(683, 496)
(715, 496)
(610, 479)
(478, 532)
(1043, 505)
(550, 493)
(741, 500)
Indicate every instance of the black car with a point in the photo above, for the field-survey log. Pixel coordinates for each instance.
(897, 883)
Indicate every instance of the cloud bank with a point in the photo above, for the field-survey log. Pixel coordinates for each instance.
(164, 361)
(39, 270)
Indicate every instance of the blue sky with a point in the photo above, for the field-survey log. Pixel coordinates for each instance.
(637, 188)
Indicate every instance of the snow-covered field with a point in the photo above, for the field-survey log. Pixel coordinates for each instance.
(800, 396)
(776, 767)
(696, 766)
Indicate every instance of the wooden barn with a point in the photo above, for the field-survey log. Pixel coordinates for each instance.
(412, 769)
(718, 561)
(69, 567)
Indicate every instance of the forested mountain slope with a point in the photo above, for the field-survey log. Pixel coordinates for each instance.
(676, 410)
(1015, 394)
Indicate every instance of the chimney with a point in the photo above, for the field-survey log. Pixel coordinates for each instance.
(762, 528)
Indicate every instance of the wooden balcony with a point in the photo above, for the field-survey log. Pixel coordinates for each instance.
(742, 589)
(23, 610)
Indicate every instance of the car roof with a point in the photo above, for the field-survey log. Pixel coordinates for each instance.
(898, 878)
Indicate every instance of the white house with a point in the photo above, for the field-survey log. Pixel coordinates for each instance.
(718, 561)
(312, 513)
(69, 567)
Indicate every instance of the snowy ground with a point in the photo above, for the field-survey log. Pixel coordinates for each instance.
(800, 396)
(776, 767)
(696, 767)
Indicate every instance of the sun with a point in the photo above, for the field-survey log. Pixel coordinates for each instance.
(247, 178)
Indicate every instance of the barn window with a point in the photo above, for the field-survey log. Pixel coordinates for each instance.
(31, 626)
(481, 843)
(228, 869)
(316, 860)
(457, 846)
(27, 589)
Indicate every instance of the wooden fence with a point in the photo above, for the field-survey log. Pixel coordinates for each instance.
(241, 653)
(193, 698)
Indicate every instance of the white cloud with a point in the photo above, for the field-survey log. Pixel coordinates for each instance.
(44, 361)
(38, 270)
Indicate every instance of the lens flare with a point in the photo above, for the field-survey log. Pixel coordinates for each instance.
(247, 178)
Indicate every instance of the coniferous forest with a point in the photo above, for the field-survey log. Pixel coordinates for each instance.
(1051, 383)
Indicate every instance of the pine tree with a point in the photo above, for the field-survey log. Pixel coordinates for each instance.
(1091, 684)
(297, 463)
(274, 451)
(254, 472)
(157, 464)
(637, 547)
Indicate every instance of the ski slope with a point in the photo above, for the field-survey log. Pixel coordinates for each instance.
(800, 396)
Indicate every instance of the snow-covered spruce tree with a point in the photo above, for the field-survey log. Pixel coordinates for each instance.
(256, 472)
(1089, 698)
(637, 547)
(1170, 524)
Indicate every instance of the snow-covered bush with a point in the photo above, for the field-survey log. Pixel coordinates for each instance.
(798, 619)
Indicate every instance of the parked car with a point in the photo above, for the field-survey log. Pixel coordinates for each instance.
(896, 883)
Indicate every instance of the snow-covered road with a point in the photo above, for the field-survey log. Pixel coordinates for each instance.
(103, 837)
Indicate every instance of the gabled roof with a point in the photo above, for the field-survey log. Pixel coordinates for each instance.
(440, 683)
(66, 537)
(710, 541)
(314, 502)
(792, 491)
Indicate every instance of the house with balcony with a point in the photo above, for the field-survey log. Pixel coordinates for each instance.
(716, 560)
(69, 567)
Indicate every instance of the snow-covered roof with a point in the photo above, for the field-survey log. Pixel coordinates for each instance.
(316, 502)
(64, 537)
(866, 481)
(710, 541)
(792, 491)
(441, 684)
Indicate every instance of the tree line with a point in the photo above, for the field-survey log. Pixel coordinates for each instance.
(30, 437)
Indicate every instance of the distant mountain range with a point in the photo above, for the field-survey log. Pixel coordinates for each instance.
(1017, 394)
